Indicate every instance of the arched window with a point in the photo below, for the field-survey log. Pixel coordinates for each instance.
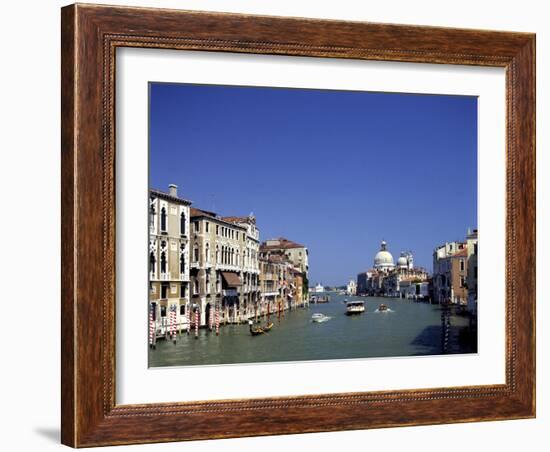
(163, 262)
(207, 251)
(152, 214)
(182, 223)
(152, 262)
(163, 219)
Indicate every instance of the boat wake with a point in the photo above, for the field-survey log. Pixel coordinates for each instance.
(383, 310)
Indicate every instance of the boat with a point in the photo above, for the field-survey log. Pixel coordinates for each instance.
(257, 330)
(267, 327)
(382, 308)
(355, 307)
(319, 317)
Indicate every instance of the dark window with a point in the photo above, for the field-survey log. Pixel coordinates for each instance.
(182, 309)
(163, 290)
(163, 262)
(152, 262)
(217, 230)
(182, 263)
(196, 254)
(461, 265)
(182, 223)
(475, 248)
(163, 311)
(207, 226)
(197, 227)
(182, 290)
(163, 219)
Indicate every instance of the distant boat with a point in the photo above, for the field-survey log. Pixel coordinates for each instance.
(382, 308)
(267, 327)
(319, 318)
(355, 307)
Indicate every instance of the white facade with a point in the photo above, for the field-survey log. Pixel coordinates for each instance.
(168, 260)
(352, 287)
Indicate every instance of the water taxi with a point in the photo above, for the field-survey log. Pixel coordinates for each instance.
(355, 307)
(382, 308)
(319, 317)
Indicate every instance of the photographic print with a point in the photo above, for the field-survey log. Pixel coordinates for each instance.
(294, 224)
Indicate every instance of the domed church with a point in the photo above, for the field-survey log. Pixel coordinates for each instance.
(383, 259)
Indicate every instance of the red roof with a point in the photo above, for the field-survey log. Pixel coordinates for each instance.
(282, 244)
(248, 220)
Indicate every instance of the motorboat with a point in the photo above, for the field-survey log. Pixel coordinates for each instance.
(319, 317)
(382, 308)
(355, 307)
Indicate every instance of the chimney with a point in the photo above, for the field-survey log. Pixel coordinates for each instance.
(173, 190)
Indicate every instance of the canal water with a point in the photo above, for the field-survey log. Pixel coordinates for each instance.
(409, 329)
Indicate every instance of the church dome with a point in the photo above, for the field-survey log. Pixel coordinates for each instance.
(402, 261)
(383, 258)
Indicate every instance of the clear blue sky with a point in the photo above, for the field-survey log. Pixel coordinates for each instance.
(335, 170)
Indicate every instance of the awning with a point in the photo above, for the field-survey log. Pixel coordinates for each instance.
(232, 279)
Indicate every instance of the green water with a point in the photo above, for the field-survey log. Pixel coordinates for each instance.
(409, 329)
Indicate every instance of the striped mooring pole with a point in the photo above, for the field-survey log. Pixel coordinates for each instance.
(173, 323)
(152, 326)
(217, 320)
(210, 317)
(188, 312)
(197, 320)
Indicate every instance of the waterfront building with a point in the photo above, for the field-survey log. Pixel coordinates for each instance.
(450, 273)
(274, 283)
(224, 266)
(250, 263)
(363, 282)
(298, 291)
(471, 246)
(351, 288)
(168, 260)
(296, 253)
(416, 290)
(387, 278)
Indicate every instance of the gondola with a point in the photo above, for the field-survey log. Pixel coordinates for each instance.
(255, 331)
(267, 327)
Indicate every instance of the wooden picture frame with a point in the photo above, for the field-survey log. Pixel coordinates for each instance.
(90, 36)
